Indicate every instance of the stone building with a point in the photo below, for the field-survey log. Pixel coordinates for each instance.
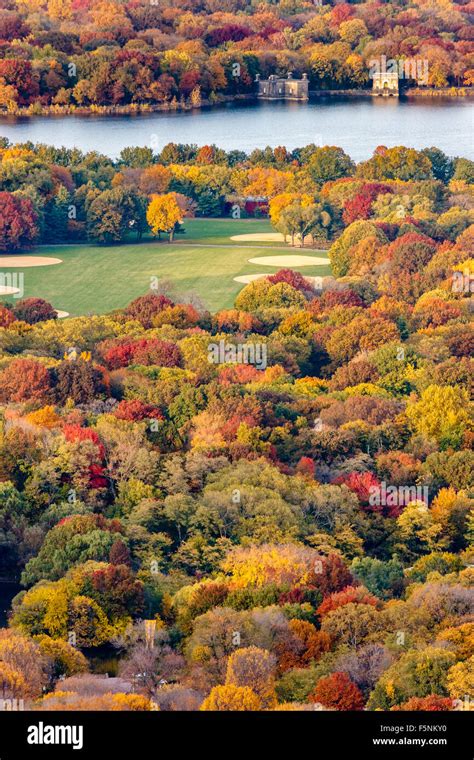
(275, 88)
(385, 84)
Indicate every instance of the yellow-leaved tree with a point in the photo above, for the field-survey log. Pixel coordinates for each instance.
(44, 417)
(253, 668)
(60, 10)
(281, 201)
(231, 698)
(11, 681)
(461, 679)
(163, 214)
(442, 413)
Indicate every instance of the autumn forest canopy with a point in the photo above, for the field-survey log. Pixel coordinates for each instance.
(68, 54)
(291, 536)
(253, 493)
(51, 194)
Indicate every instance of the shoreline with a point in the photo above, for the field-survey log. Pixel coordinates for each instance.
(141, 109)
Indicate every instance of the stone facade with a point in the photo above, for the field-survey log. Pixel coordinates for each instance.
(275, 88)
(385, 84)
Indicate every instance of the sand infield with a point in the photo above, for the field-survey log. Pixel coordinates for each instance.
(260, 237)
(246, 278)
(7, 290)
(20, 262)
(289, 261)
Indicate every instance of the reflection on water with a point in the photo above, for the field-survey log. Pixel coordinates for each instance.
(103, 660)
(8, 590)
(356, 124)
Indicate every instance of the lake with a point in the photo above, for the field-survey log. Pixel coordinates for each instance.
(357, 124)
(8, 590)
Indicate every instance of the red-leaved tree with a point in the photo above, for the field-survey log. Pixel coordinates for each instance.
(18, 222)
(144, 308)
(33, 310)
(338, 692)
(349, 595)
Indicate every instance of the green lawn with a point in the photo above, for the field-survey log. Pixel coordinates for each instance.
(97, 279)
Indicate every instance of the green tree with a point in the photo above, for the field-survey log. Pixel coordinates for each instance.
(302, 220)
(417, 673)
(113, 214)
(329, 163)
(442, 166)
(384, 579)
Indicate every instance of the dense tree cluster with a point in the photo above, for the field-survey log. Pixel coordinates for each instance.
(311, 194)
(67, 54)
(295, 536)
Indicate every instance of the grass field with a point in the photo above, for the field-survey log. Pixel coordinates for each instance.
(97, 279)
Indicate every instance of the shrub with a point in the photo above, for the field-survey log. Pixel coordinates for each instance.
(33, 310)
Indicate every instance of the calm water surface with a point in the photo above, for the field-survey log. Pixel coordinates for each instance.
(8, 590)
(356, 124)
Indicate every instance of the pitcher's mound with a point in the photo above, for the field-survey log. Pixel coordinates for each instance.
(260, 237)
(289, 261)
(18, 262)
